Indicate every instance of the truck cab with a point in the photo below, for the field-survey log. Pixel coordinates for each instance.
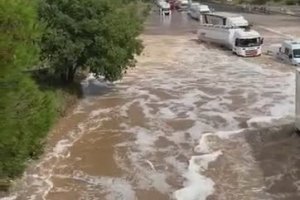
(164, 8)
(247, 43)
(290, 52)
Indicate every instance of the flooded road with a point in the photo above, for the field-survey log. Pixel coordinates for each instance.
(190, 122)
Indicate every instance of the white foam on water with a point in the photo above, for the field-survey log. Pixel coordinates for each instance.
(79, 109)
(123, 110)
(14, 197)
(137, 91)
(268, 121)
(280, 110)
(98, 112)
(91, 78)
(228, 134)
(144, 137)
(146, 109)
(115, 188)
(262, 120)
(297, 185)
(150, 164)
(179, 166)
(197, 186)
(203, 146)
(200, 163)
(62, 146)
(166, 113)
(197, 129)
(159, 182)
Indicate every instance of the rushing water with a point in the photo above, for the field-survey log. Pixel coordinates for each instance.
(154, 134)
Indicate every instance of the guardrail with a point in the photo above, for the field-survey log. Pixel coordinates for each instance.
(263, 9)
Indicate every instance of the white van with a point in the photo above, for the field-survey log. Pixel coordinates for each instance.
(164, 8)
(290, 51)
(182, 4)
(196, 9)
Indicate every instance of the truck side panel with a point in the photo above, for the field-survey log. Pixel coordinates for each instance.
(216, 35)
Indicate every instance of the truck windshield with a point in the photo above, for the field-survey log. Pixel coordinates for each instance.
(296, 53)
(248, 42)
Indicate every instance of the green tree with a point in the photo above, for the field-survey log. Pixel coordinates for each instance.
(25, 112)
(100, 35)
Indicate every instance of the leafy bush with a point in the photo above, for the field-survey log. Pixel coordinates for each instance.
(98, 34)
(26, 113)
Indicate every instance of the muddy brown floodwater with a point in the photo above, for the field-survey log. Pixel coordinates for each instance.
(190, 122)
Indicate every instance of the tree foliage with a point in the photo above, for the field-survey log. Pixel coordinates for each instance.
(25, 112)
(100, 35)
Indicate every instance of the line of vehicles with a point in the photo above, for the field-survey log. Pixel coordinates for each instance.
(230, 30)
(194, 9)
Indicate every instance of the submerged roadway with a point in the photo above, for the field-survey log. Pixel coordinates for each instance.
(191, 121)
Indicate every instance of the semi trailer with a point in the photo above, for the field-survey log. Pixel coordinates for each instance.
(242, 41)
(225, 19)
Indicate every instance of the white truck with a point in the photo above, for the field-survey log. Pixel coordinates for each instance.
(182, 4)
(290, 51)
(164, 8)
(242, 41)
(196, 10)
(225, 19)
